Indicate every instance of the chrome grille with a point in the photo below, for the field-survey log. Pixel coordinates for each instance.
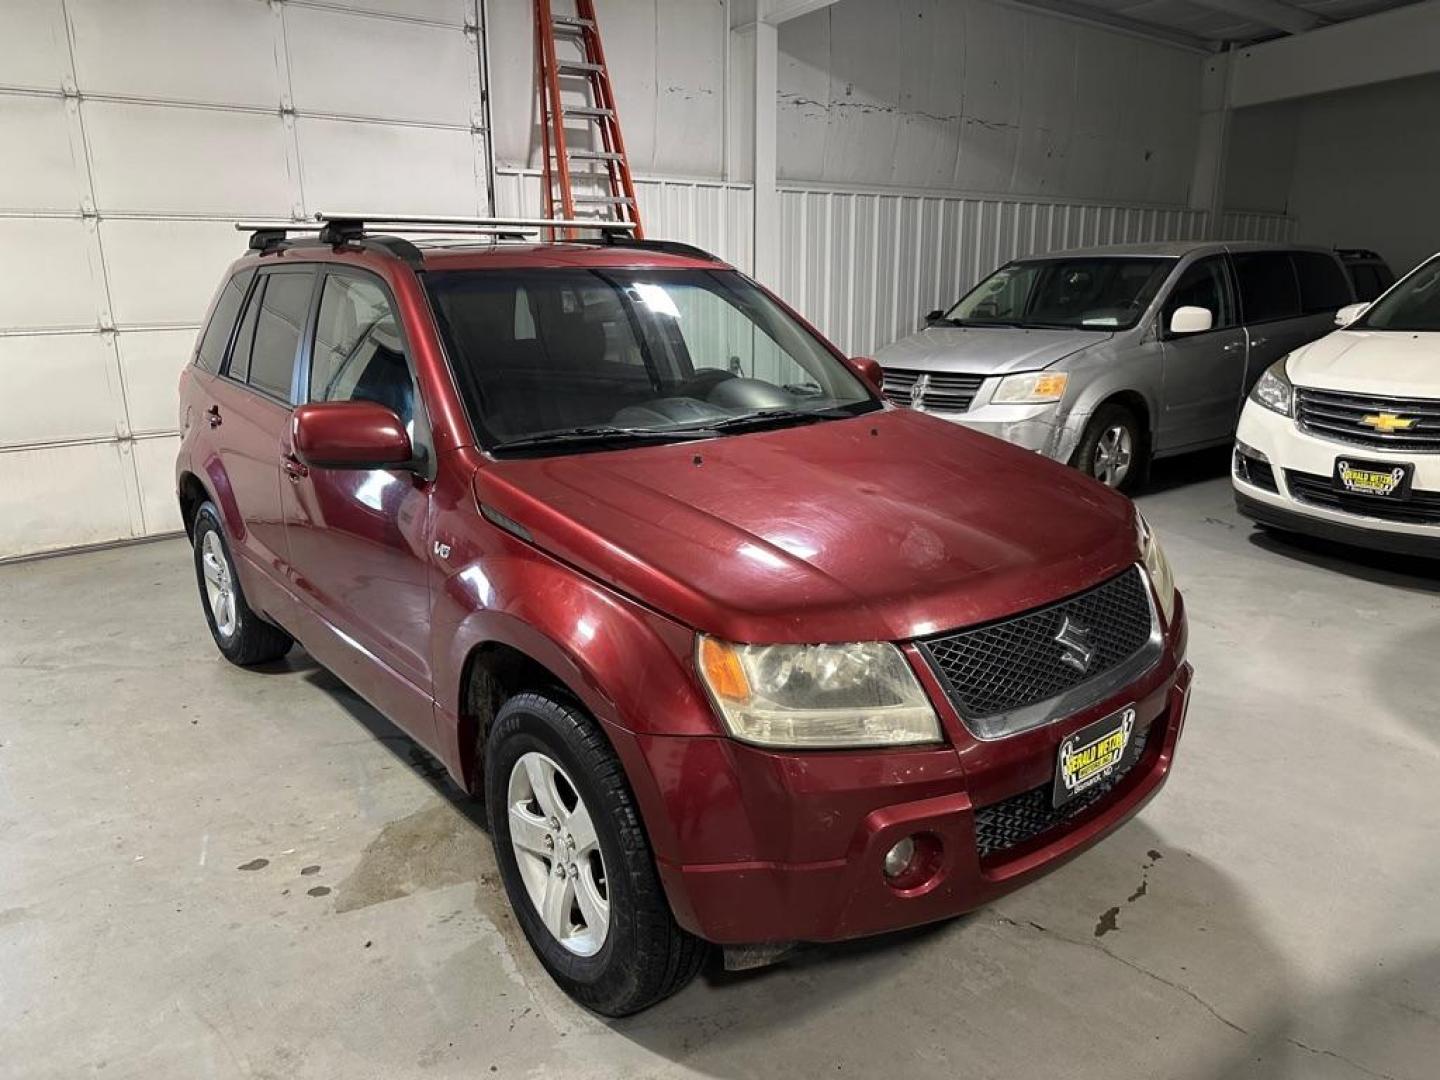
(1019, 661)
(942, 392)
(1336, 414)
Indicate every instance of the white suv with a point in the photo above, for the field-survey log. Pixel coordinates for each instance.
(1341, 438)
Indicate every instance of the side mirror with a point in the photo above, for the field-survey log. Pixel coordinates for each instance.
(932, 317)
(869, 369)
(350, 435)
(1191, 320)
(1349, 313)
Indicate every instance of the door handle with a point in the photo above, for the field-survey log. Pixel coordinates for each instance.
(294, 467)
(213, 415)
(1232, 346)
(1255, 343)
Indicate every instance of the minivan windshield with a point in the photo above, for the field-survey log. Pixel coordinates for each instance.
(591, 358)
(1096, 293)
(1414, 304)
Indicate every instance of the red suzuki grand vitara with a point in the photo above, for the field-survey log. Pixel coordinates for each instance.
(734, 651)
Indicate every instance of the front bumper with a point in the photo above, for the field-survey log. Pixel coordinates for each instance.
(1035, 427)
(1288, 448)
(789, 847)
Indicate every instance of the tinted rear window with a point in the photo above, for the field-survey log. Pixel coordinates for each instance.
(211, 352)
(1268, 289)
(277, 332)
(1323, 286)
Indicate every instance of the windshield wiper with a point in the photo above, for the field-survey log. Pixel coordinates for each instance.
(781, 416)
(601, 434)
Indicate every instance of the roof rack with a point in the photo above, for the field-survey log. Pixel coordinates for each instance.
(358, 229)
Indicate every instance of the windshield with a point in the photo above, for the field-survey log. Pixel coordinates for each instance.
(1105, 293)
(567, 355)
(1414, 304)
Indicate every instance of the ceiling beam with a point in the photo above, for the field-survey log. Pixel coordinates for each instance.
(1074, 11)
(1396, 44)
(1275, 14)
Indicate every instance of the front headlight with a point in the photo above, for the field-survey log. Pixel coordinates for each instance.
(1031, 388)
(1274, 391)
(815, 696)
(1162, 578)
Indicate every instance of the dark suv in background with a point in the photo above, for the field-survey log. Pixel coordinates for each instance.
(734, 651)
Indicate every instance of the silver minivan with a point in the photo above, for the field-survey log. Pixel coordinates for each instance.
(1109, 357)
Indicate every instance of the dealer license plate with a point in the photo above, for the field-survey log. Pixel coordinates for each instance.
(1091, 754)
(1378, 478)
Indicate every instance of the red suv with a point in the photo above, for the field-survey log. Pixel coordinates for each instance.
(734, 651)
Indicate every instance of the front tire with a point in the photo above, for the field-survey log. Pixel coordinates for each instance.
(576, 863)
(1113, 449)
(242, 637)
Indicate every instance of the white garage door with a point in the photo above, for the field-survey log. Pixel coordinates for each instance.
(134, 134)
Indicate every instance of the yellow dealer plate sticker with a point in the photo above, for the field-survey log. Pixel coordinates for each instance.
(1372, 478)
(1092, 754)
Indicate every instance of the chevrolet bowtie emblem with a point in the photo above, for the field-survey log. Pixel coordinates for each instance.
(1076, 648)
(1387, 422)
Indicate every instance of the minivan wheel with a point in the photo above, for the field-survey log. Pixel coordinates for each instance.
(1113, 449)
(241, 636)
(576, 863)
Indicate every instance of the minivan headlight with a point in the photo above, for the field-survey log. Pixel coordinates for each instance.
(816, 696)
(1031, 388)
(1273, 390)
(1157, 566)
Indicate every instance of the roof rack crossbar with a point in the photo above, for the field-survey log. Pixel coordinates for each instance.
(365, 220)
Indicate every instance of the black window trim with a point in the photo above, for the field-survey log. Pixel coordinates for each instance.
(301, 389)
(266, 272)
(1232, 286)
(253, 272)
(1335, 262)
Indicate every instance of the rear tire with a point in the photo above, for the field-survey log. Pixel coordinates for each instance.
(242, 636)
(1113, 449)
(637, 954)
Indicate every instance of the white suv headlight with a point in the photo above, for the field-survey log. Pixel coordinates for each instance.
(816, 696)
(1157, 566)
(1273, 389)
(1031, 388)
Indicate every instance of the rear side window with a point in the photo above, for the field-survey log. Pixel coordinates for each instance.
(278, 329)
(1205, 285)
(211, 352)
(359, 353)
(1268, 289)
(1322, 282)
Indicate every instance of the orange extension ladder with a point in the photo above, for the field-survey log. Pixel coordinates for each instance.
(607, 193)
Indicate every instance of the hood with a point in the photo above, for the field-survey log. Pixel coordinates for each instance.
(886, 526)
(1393, 362)
(998, 350)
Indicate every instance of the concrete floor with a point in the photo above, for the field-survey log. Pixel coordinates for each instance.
(211, 872)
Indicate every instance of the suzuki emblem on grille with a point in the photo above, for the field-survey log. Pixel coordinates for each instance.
(1387, 422)
(918, 391)
(1076, 648)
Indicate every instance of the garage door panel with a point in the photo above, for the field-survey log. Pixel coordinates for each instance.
(151, 361)
(221, 51)
(50, 176)
(165, 272)
(423, 170)
(57, 283)
(33, 49)
(64, 496)
(454, 12)
(56, 387)
(357, 65)
(155, 470)
(214, 161)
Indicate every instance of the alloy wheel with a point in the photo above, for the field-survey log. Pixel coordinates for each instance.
(219, 585)
(1113, 455)
(558, 854)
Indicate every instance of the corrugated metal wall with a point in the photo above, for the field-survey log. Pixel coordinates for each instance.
(864, 266)
(136, 133)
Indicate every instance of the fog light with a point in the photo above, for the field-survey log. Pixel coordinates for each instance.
(899, 857)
